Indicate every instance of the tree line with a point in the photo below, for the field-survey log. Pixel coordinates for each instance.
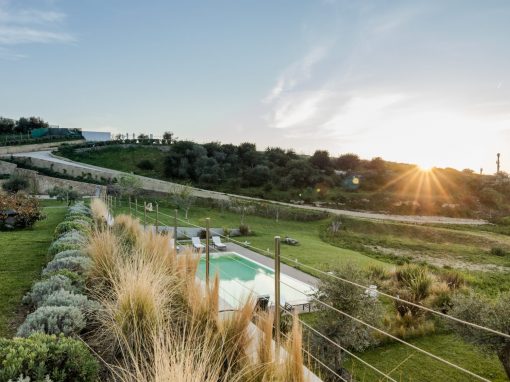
(23, 125)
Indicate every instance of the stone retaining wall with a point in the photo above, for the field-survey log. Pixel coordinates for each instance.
(7, 167)
(41, 184)
(148, 184)
(6, 150)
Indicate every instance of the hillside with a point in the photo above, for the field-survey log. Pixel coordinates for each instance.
(346, 182)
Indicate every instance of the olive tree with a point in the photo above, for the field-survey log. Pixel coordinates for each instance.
(183, 198)
(494, 314)
(344, 331)
(128, 185)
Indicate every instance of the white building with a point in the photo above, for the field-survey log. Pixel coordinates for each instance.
(96, 136)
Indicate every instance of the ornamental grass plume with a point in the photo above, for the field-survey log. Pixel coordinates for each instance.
(99, 213)
(104, 249)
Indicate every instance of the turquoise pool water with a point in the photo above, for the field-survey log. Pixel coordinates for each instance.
(240, 276)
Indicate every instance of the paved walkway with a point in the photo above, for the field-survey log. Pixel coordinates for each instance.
(48, 156)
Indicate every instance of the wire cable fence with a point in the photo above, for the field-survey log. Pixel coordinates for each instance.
(325, 305)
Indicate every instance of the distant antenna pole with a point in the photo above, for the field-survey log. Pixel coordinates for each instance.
(498, 164)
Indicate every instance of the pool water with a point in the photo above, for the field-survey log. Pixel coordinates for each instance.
(240, 276)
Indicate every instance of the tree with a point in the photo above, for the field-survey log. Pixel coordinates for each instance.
(184, 199)
(25, 125)
(169, 137)
(344, 331)
(276, 156)
(7, 125)
(64, 194)
(143, 136)
(347, 162)
(248, 154)
(494, 314)
(256, 176)
(15, 184)
(129, 185)
(320, 159)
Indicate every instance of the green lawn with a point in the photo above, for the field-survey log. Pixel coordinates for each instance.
(408, 365)
(22, 256)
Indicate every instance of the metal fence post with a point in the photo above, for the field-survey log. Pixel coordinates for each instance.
(175, 228)
(207, 234)
(277, 295)
(136, 207)
(130, 213)
(157, 217)
(144, 214)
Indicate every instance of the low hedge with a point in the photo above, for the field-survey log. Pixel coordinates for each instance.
(60, 246)
(72, 225)
(42, 289)
(69, 253)
(65, 298)
(39, 356)
(67, 320)
(77, 280)
(78, 264)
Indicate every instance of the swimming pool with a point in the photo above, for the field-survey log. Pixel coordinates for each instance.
(239, 276)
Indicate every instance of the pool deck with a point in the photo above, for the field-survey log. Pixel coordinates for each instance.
(268, 262)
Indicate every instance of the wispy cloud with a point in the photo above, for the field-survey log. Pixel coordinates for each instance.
(23, 35)
(296, 73)
(20, 26)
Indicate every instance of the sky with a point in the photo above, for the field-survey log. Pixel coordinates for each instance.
(424, 82)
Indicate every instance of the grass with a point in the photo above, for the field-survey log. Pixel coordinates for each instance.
(409, 365)
(124, 159)
(22, 256)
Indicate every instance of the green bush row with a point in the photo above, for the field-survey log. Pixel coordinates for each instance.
(42, 356)
(43, 352)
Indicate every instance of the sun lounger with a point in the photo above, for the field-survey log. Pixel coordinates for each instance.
(218, 244)
(196, 243)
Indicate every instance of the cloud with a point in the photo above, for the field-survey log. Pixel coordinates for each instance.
(24, 35)
(297, 109)
(20, 26)
(296, 73)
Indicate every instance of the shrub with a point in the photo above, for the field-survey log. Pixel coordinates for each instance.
(80, 208)
(244, 230)
(67, 320)
(61, 359)
(42, 289)
(57, 247)
(378, 273)
(498, 251)
(15, 184)
(78, 264)
(70, 225)
(74, 216)
(66, 298)
(64, 194)
(27, 209)
(69, 253)
(145, 164)
(72, 236)
(77, 280)
(454, 279)
(485, 312)
(416, 279)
